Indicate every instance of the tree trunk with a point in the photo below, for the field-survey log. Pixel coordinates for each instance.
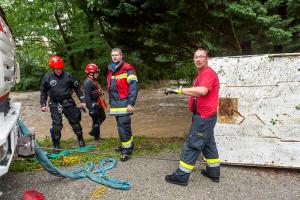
(246, 48)
(236, 42)
(66, 41)
(104, 33)
(90, 17)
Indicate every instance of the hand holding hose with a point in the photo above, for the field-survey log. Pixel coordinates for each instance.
(173, 91)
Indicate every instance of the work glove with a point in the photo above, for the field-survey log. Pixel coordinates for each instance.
(173, 91)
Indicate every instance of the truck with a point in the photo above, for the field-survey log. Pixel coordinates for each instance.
(9, 110)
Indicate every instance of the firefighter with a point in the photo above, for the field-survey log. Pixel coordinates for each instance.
(123, 90)
(94, 99)
(59, 86)
(203, 103)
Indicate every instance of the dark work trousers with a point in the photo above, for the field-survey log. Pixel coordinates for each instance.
(98, 116)
(201, 139)
(73, 115)
(124, 129)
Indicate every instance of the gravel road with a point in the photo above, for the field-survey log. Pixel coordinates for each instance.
(147, 178)
(152, 119)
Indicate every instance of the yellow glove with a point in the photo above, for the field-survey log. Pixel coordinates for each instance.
(173, 91)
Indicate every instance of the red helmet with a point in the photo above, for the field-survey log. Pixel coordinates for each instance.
(91, 68)
(56, 62)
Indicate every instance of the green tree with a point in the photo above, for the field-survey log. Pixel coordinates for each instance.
(158, 37)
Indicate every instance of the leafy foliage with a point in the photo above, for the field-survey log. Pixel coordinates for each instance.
(158, 38)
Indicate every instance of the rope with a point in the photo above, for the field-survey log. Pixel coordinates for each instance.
(88, 171)
(68, 152)
(75, 151)
(118, 155)
(67, 160)
(98, 193)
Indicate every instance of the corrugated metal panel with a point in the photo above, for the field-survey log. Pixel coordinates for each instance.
(259, 114)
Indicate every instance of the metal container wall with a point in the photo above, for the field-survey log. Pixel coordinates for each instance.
(259, 110)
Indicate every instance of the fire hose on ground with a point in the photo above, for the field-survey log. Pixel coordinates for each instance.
(95, 173)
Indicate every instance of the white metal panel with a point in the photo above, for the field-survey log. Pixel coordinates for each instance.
(5, 47)
(9, 126)
(9, 73)
(264, 125)
(9, 84)
(8, 121)
(8, 60)
(1, 73)
(17, 73)
(4, 38)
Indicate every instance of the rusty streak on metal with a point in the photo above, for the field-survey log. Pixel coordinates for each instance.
(289, 141)
(273, 165)
(227, 110)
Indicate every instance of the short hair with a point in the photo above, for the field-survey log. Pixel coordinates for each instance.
(201, 49)
(117, 49)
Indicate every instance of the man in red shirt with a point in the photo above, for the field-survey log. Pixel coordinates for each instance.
(203, 102)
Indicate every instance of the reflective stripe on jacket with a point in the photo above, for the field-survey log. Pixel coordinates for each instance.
(122, 88)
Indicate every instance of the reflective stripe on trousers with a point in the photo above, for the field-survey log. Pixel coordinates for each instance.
(213, 162)
(201, 139)
(124, 129)
(187, 168)
(128, 144)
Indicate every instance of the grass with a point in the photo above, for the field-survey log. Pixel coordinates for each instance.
(143, 146)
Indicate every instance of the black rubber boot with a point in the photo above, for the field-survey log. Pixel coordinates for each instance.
(214, 179)
(129, 150)
(56, 149)
(119, 149)
(78, 131)
(96, 137)
(81, 141)
(176, 179)
(55, 136)
(125, 155)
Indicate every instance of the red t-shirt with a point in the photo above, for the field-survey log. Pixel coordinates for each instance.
(206, 105)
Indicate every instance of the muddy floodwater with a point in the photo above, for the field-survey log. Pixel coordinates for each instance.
(155, 115)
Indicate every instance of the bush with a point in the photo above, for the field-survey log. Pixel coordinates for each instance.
(185, 72)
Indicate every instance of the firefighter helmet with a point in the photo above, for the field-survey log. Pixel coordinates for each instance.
(91, 68)
(56, 62)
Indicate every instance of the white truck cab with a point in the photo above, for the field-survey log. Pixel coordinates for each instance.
(9, 111)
